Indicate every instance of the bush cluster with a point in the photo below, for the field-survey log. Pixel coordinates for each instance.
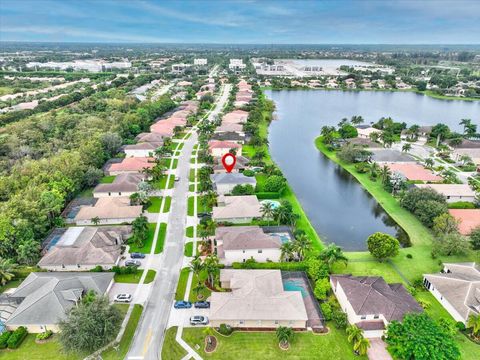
(4, 339)
(17, 337)
(44, 335)
(287, 266)
(225, 329)
(123, 270)
(267, 195)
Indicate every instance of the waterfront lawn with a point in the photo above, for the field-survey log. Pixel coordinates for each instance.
(124, 344)
(264, 345)
(368, 267)
(147, 247)
(168, 202)
(171, 349)
(182, 284)
(155, 204)
(420, 236)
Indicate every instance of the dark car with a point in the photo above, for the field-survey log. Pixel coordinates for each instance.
(182, 304)
(202, 305)
(137, 256)
(132, 263)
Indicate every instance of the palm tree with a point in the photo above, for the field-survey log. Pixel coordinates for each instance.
(210, 198)
(354, 333)
(385, 173)
(332, 254)
(284, 335)
(466, 123)
(199, 288)
(267, 211)
(96, 220)
(211, 264)
(429, 163)
(196, 265)
(406, 147)
(474, 323)
(302, 245)
(287, 251)
(373, 170)
(357, 119)
(209, 334)
(361, 346)
(6, 271)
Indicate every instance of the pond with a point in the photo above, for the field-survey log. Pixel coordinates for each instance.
(338, 207)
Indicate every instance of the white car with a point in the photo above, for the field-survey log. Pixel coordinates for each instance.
(198, 320)
(177, 178)
(126, 298)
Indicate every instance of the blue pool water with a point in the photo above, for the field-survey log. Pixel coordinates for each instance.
(275, 204)
(294, 285)
(284, 237)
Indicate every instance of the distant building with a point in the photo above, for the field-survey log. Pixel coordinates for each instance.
(468, 219)
(236, 65)
(200, 62)
(180, 68)
(141, 149)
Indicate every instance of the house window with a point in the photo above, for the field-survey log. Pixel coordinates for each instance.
(376, 316)
(427, 284)
(109, 193)
(259, 251)
(243, 260)
(243, 251)
(241, 322)
(363, 317)
(276, 322)
(63, 266)
(119, 193)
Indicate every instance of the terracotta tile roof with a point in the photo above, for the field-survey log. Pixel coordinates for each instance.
(469, 219)
(217, 144)
(132, 164)
(414, 172)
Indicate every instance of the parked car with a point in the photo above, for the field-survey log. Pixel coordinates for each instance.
(126, 298)
(198, 320)
(202, 305)
(182, 304)
(177, 178)
(137, 256)
(132, 263)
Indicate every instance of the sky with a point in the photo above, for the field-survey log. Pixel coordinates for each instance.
(242, 21)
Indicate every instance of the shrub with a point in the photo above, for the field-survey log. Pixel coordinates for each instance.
(274, 183)
(461, 205)
(44, 335)
(322, 287)
(326, 311)
(340, 319)
(460, 326)
(475, 238)
(4, 339)
(287, 266)
(424, 303)
(123, 270)
(413, 196)
(243, 190)
(382, 246)
(428, 210)
(249, 173)
(97, 268)
(17, 337)
(409, 256)
(361, 168)
(225, 329)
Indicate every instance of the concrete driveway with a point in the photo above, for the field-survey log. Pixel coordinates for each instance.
(181, 317)
(122, 288)
(378, 350)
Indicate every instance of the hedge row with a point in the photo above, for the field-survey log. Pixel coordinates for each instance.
(4, 339)
(17, 337)
(268, 195)
(461, 205)
(287, 266)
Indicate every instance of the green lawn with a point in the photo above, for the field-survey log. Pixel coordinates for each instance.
(188, 251)
(191, 176)
(128, 278)
(264, 345)
(107, 179)
(155, 203)
(189, 231)
(168, 202)
(191, 187)
(182, 284)
(162, 232)
(127, 337)
(420, 237)
(162, 183)
(171, 349)
(190, 205)
(150, 276)
(147, 247)
(192, 297)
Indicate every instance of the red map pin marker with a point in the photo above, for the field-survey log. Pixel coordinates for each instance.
(228, 161)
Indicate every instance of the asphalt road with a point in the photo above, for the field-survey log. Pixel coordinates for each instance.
(148, 340)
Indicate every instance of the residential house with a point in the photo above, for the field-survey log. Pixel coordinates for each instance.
(457, 288)
(240, 138)
(43, 299)
(235, 117)
(141, 149)
(130, 165)
(82, 248)
(256, 299)
(224, 183)
(241, 164)
(414, 172)
(468, 219)
(472, 153)
(237, 209)
(123, 185)
(108, 211)
(241, 243)
(453, 192)
(371, 303)
(364, 132)
(219, 148)
(230, 127)
(150, 137)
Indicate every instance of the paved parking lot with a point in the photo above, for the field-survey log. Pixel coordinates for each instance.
(181, 317)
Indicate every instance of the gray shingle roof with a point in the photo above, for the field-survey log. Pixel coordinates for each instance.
(122, 183)
(232, 178)
(246, 237)
(46, 296)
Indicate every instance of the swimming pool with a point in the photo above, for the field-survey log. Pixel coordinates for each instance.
(295, 285)
(284, 237)
(275, 204)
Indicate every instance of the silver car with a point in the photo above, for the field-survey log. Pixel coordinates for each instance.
(126, 298)
(198, 320)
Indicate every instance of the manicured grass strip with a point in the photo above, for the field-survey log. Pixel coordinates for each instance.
(107, 179)
(192, 160)
(162, 183)
(189, 232)
(171, 349)
(162, 232)
(128, 278)
(182, 284)
(168, 202)
(190, 205)
(191, 187)
(147, 247)
(191, 176)
(192, 297)
(264, 345)
(420, 237)
(188, 251)
(150, 276)
(124, 344)
(175, 163)
(155, 203)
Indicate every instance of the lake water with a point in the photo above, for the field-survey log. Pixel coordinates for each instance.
(337, 205)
